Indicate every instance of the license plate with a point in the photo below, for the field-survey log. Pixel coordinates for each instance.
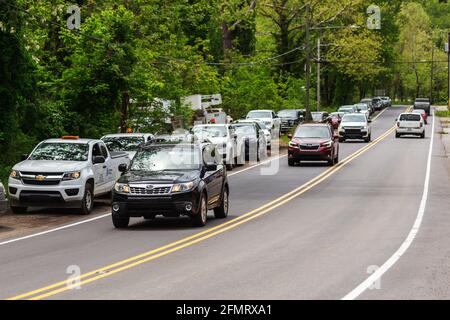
(409, 129)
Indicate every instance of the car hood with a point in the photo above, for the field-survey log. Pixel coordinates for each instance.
(353, 124)
(158, 176)
(261, 119)
(49, 166)
(288, 118)
(310, 140)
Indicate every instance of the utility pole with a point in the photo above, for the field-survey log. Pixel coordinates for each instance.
(318, 73)
(308, 61)
(448, 53)
(432, 73)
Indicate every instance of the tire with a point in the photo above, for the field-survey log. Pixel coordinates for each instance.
(229, 166)
(19, 210)
(422, 136)
(336, 159)
(291, 162)
(331, 162)
(397, 135)
(88, 200)
(221, 212)
(120, 222)
(199, 219)
(369, 138)
(341, 140)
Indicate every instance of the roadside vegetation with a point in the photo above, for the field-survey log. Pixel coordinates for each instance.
(54, 81)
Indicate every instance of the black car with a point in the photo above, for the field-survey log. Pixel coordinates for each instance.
(423, 103)
(172, 180)
(290, 118)
(320, 117)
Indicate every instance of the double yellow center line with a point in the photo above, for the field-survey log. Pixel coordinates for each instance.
(114, 268)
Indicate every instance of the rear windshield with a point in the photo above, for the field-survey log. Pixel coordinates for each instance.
(259, 114)
(410, 117)
(130, 143)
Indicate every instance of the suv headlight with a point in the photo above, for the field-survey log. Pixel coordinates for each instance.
(326, 144)
(293, 144)
(180, 187)
(122, 187)
(15, 174)
(71, 175)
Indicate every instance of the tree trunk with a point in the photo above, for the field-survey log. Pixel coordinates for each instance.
(124, 111)
(227, 39)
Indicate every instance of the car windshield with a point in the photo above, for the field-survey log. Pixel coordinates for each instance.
(123, 143)
(336, 115)
(61, 152)
(167, 158)
(317, 116)
(259, 114)
(312, 132)
(354, 118)
(361, 106)
(288, 113)
(245, 129)
(210, 131)
(346, 110)
(410, 117)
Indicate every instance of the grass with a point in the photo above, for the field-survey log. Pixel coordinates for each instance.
(443, 114)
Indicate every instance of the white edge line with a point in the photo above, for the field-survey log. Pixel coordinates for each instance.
(409, 239)
(257, 165)
(56, 229)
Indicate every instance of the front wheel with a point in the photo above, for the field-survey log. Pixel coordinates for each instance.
(291, 162)
(87, 204)
(221, 211)
(120, 222)
(199, 219)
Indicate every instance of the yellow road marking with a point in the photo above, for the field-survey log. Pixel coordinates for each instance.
(201, 236)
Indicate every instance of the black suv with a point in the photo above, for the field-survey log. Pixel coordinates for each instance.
(172, 180)
(290, 118)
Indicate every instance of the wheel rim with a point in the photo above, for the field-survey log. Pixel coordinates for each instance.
(225, 202)
(88, 199)
(203, 211)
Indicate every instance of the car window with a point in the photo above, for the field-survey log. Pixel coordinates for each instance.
(96, 151)
(410, 117)
(104, 151)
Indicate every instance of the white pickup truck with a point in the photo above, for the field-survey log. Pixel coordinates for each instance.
(64, 173)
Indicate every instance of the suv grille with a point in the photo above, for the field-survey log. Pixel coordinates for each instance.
(154, 191)
(309, 146)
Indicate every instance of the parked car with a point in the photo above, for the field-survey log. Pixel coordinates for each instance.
(348, 109)
(64, 173)
(290, 118)
(378, 103)
(335, 119)
(252, 143)
(126, 142)
(355, 126)
(313, 142)
(386, 101)
(423, 114)
(410, 124)
(423, 103)
(319, 116)
(3, 200)
(263, 128)
(272, 121)
(364, 109)
(224, 137)
(375, 104)
(172, 180)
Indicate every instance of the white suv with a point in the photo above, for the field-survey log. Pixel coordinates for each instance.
(270, 119)
(410, 124)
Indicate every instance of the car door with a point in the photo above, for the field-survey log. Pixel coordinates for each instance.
(99, 170)
(213, 179)
(111, 173)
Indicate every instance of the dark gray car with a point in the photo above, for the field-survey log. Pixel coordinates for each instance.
(3, 201)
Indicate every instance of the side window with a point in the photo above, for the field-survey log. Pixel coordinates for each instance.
(96, 151)
(104, 151)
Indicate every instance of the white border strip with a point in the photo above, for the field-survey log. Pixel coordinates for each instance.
(409, 239)
(56, 229)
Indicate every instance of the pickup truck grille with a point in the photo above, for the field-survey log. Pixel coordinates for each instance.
(41, 183)
(350, 130)
(152, 191)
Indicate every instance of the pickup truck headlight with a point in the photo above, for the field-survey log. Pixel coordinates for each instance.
(122, 187)
(71, 175)
(15, 174)
(180, 187)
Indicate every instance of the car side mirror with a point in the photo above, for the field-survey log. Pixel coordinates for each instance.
(24, 157)
(210, 167)
(123, 167)
(369, 121)
(98, 159)
(290, 135)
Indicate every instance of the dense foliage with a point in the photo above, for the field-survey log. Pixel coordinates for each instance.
(131, 54)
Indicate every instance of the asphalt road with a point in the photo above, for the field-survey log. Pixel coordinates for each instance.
(319, 242)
